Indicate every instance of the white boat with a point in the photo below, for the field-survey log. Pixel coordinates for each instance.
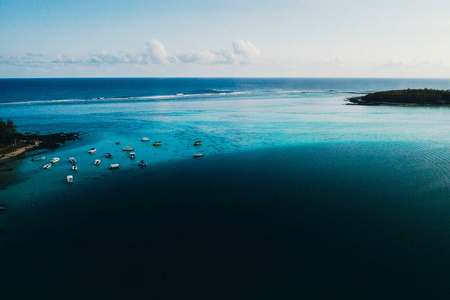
(47, 166)
(54, 160)
(142, 163)
(132, 155)
(114, 166)
(97, 162)
(69, 178)
(74, 167)
(92, 150)
(38, 158)
(72, 160)
(128, 148)
(145, 139)
(198, 154)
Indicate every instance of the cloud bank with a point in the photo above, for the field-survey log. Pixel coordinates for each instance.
(244, 52)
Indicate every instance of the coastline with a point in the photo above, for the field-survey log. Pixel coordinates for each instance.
(19, 151)
(360, 101)
(34, 141)
(406, 97)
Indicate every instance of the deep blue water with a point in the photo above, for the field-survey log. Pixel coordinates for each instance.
(298, 195)
(21, 90)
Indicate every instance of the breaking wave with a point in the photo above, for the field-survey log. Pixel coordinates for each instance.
(201, 94)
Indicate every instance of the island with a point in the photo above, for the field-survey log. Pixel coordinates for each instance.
(14, 143)
(410, 97)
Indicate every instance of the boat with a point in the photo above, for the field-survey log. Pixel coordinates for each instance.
(38, 158)
(3, 207)
(69, 178)
(157, 144)
(128, 148)
(92, 150)
(145, 139)
(108, 155)
(132, 155)
(118, 143)
(197, 143)
(72, 160)
(54, 160)
(114, 166)
(74, 167)
(142, 163)
(47, 166)
(198, 154)
(97, 162)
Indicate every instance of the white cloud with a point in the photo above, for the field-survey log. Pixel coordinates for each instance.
(156, 52)
(64, 59)
(246, 50)
(209, 57)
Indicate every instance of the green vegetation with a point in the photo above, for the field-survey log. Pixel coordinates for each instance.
(12, 140)
(409, 96)
(8, 130)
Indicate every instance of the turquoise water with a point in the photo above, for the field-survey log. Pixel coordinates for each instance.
(224, 124)
(298, 194)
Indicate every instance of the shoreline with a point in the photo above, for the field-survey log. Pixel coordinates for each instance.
(35, 141)
(406, 97)
(18, 151)
(360, 101)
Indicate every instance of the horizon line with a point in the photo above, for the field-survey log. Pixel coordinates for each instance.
(227, 77)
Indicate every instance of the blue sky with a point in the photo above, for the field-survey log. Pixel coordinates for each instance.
(174, 38)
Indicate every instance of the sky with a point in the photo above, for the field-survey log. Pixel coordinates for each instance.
(233, 38)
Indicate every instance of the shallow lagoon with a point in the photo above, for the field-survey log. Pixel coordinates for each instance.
(225, 124)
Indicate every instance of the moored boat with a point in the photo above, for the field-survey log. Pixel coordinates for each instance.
(114, 166)
(132, 155)
(3, 207)
(74, 167)
(38, 158)
(118, 143)
(92, 150)
(97, 162)
(54, 160)
(142, 163)
(128, 148)
(47, 166)
(72, 160)
(157, 144)
(198, 143)
(198, 154)
(145, 139)
(108, 155)
(69, 178)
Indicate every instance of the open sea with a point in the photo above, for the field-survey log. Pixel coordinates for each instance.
(297, 196)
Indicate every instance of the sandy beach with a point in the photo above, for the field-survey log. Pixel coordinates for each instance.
(18, 150)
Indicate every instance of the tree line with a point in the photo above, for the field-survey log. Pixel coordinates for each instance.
(7, 130)
(418, 96)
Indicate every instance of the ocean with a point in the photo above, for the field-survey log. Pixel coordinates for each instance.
(298, 195)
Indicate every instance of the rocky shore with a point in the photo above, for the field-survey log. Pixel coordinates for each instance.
(27, 142)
